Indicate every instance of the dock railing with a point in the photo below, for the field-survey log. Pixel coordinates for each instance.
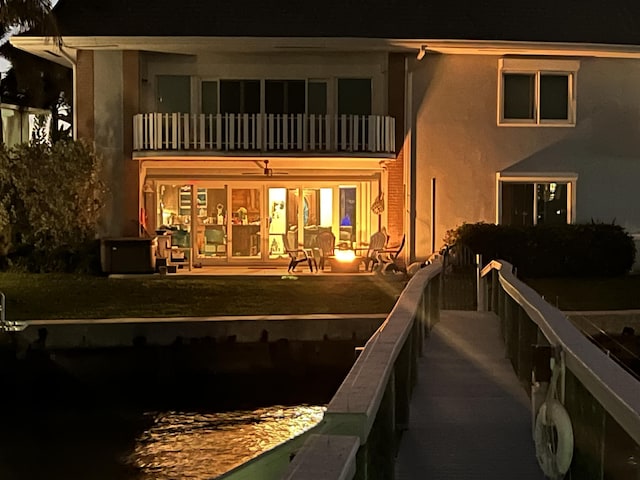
(359, 434)
(8, 325)
(601, 398)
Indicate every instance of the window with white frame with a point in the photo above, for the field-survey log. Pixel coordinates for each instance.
(526, 201)
(537, 92)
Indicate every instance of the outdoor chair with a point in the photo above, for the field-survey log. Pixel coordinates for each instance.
(297, 255)
(377, 243)
(387, 258)
(326, 242)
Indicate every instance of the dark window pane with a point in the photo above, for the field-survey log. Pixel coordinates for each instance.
(552, 203)
(210, 97)
(517, 204)
(317, 98)
(174, 94)
(348, 212)
(284, 96)
(230, 95)
(554, 97)
(251, 96)
(274, 96)
(519, 91)
(240, 96)
(354, 96)
(295, 96)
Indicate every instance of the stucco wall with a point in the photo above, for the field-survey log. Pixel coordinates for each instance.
(108, 117)
(267, 66)
(457, 141)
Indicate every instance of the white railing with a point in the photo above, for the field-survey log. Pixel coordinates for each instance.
(611, 385)
(371, 403)
(264, 132)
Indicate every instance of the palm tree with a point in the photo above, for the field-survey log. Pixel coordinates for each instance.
(24, 14)
(21, 15)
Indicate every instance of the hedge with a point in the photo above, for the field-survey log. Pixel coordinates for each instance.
(579, 250)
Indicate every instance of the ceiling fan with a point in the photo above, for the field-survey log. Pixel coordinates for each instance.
(266, 170)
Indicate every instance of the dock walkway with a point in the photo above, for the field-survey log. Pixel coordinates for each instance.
(470, 416)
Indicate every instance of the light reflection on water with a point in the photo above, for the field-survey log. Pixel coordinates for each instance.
(205, 445)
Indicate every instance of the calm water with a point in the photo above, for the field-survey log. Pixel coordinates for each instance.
(56, 426)
(169, 445)
(201, 445)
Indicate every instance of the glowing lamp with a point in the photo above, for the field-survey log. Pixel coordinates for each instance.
(345, 255)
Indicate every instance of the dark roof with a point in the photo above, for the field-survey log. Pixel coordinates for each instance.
(584, 21)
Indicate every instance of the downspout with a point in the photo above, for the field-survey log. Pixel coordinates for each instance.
(409, 177)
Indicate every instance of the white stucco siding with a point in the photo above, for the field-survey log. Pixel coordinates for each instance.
(268, 66)
(108, 108)
(458, 142)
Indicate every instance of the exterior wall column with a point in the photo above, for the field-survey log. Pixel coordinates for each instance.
(84, 96)
(131, 106)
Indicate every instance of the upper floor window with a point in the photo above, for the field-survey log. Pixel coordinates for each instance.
(239, 96)
(537, 92)
(354, 96)
(284, 96)
(317, 97)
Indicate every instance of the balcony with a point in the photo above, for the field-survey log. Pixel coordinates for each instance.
(365, 134)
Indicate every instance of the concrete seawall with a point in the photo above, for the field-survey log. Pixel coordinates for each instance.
(101, 333)
(227, 361)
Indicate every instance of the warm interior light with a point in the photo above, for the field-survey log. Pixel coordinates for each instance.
(345, 255)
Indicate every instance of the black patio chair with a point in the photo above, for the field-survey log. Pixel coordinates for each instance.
(387, 258)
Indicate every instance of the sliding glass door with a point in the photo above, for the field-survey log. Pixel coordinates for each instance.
(253, 221)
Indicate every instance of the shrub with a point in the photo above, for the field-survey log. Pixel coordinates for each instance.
(50, 201)
(594, 249)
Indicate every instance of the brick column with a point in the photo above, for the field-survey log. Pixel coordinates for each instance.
(395, 193)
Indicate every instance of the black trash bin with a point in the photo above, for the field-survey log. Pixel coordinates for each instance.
(127, 255)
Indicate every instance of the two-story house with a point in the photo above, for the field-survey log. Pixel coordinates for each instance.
(238, 125)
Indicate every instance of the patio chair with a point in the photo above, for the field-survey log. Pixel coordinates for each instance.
(387, 258)
(377, 243)
(326, 242)
(297, 255)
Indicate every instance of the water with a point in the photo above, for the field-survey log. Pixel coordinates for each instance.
(200, 446)
(58, 426)
(93, 444)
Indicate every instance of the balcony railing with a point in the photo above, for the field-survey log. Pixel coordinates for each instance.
(264, 132)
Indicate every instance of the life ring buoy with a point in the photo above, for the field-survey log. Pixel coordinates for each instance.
(554, 439)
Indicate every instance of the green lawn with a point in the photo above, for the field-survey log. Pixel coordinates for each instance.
(621, 293)
(51, 296)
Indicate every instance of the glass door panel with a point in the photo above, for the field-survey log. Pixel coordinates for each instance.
(245, 222)
(292, 214)
(212, 223)
(517, 204)
(348, 217)
(174, 209)
(277, 221)
(317, 214)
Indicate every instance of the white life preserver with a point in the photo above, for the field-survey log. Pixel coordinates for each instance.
(554, 439)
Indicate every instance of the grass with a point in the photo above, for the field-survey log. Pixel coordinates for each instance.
(619, 293)
(55, 296)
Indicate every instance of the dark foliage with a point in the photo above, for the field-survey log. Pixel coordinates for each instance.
(581, 250)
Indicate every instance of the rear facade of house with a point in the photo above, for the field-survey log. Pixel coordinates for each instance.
(237, 126)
